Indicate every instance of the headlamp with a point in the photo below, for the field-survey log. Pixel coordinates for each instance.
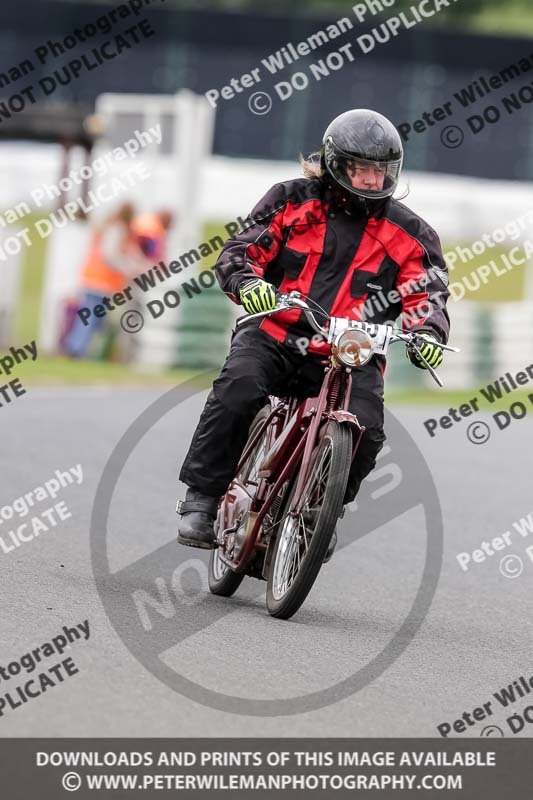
(353, 348)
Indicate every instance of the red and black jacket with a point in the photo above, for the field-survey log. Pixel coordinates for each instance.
(299, 236)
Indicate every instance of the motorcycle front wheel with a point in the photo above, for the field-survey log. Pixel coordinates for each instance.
(302, 540)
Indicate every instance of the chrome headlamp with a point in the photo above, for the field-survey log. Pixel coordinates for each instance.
(353, 348)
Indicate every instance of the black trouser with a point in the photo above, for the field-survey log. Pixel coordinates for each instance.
(256, 367)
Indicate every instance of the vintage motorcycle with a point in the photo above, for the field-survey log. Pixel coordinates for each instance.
(276, 520)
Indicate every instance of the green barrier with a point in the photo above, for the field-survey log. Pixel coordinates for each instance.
(485, 359)
(202, 349)
(204, 330)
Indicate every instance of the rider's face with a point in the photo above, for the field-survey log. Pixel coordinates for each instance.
(366, 176)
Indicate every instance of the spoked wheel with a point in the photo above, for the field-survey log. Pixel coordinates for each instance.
(222, 580)
(303, 540)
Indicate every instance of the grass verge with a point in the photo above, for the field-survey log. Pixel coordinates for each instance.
(448, 399)
(55, 371)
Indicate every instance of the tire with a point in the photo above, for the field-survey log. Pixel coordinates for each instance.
(332, 457)
(222, 580)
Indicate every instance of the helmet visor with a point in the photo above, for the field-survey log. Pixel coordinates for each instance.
(365, 178)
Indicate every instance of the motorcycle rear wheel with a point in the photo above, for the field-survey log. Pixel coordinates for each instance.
(302, 542)
(222, 580)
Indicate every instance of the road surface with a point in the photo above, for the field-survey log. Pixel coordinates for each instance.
(157, 639)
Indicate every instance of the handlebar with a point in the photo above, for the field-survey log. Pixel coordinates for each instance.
(382, 334)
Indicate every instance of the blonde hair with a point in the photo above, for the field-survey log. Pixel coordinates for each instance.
(311, 165)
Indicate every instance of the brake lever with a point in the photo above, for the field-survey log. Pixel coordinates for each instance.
(284, 306)
(414, 347)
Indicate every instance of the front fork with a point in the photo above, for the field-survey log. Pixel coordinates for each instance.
(333, 402)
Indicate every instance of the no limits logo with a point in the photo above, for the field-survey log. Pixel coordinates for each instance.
(166, 605)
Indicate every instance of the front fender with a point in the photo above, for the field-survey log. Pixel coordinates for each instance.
(347, 418)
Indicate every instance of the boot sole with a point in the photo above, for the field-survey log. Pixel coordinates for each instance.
(196, 543)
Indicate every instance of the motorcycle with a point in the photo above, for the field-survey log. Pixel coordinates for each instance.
(276, 520)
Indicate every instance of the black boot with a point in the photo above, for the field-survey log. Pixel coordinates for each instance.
(198, 513)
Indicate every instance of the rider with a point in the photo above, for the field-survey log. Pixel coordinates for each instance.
(338, 237)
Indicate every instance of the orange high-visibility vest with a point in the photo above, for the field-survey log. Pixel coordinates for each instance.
(96, 274)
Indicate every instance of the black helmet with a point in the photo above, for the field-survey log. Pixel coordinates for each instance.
(362, 151)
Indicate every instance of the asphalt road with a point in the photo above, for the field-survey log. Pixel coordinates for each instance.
(157, 639)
